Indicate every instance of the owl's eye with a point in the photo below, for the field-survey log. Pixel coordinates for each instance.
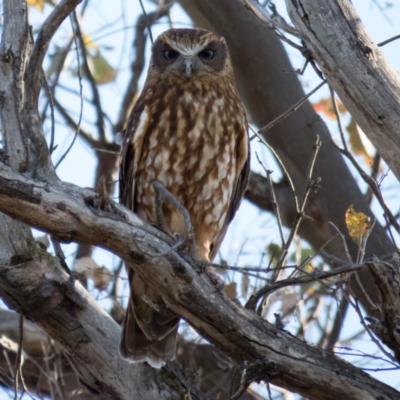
(207, 55)
(171, 55)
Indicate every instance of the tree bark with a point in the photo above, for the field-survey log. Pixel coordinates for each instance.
(355, 68)
(34, 282)
(259, 60)
(69, 214)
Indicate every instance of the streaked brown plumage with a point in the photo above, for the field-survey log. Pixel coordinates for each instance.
(188, 131)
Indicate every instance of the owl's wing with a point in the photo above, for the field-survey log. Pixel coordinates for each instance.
(237, 194)
(131, 151)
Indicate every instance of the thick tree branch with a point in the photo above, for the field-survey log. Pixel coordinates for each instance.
(67, 212)
(355, 68)
(89, 336)
(50, 297)
(259, 60)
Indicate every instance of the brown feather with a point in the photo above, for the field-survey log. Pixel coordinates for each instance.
(188, 131)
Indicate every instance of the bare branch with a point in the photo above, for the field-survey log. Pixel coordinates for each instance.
(292, 109)
(65, 211)
(49, 27)
(368, 91)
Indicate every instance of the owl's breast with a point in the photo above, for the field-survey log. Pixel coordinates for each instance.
(192, 151)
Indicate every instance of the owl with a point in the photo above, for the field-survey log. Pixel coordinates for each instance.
(187, 131)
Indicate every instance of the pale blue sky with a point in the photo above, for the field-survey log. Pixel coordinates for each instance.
(250, 227)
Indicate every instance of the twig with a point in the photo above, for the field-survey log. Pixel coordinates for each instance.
(148, 22)
(311, 185)
(276, 20)
(346, 249)
(368, 330)
(60, 254)
(137, 66)
(334, 334)
(48, 29)
(243, 384)
(388, 40)
(315, 276)
(163, 193)
(370, 181)
(88, 74)
(81, 94)
(274, 202)
(374, 173)
(50, 101)
(267, 127)
(281, 164)
(18, 359)
(362, 354)
(299, 217)
(269, 390)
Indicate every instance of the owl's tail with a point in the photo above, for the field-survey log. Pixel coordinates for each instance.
(147, 335)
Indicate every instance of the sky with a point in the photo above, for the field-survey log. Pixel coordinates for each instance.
(109, 25)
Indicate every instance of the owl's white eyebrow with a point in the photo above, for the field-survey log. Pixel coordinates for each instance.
(189, 50)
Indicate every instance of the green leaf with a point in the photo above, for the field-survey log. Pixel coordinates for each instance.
(102, 71)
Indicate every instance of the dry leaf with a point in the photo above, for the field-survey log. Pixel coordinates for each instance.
(101, 278)
(355, 141)
(325, 106)
(358, 224)
(85, 266)
(230, 290)
(89, 269)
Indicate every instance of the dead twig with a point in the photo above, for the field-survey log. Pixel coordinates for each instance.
(292, 109)
(80, 90)
(370, 181)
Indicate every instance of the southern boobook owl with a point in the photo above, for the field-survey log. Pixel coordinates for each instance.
(188, 131)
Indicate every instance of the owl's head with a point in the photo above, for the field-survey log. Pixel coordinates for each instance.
(190, 54)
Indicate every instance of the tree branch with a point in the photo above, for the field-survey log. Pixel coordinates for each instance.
(258, 56)
(67, 213)
(49, 28)
(338, 41)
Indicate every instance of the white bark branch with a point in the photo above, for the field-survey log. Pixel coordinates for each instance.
(355, 68)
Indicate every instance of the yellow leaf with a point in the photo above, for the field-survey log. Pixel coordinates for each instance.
(89, 44)
(357, 224)
(39, 4)
(356, 143)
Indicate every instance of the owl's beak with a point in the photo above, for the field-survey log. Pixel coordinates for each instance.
(188, 67)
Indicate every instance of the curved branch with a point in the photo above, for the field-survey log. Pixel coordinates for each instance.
(68, 213)
(49, 28)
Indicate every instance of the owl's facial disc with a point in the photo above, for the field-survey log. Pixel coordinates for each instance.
(189, 59)
(188, 66)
